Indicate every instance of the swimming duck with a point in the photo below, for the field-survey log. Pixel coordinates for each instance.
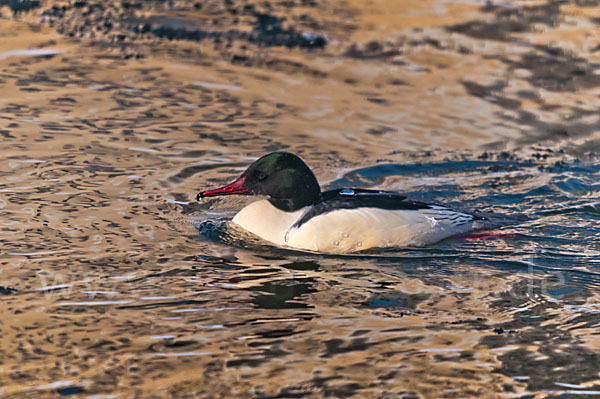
(298, 215)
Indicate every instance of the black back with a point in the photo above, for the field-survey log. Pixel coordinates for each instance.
(358, 198)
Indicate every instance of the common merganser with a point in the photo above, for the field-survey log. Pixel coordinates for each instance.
(298, 215)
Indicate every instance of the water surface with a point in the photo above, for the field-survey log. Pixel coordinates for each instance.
(116, 283)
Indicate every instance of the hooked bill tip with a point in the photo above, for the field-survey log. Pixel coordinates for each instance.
(203, 194)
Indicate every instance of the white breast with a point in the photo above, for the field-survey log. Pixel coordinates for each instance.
(351, 230)
(264, 220)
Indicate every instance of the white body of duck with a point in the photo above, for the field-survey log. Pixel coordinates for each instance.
(352, 230)
(298, 215)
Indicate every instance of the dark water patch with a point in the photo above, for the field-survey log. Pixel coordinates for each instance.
(343, 391)
(236, 26)
(338, 346)
(63, 100)
(179, 344)
(7, 290)
(545, 371)
(278, 333)
(270, 352)
(376, 100)
(396, 299)
(302, 265)
(491, 93)
(289, 66)
(283, 294)
(380, 130)
(384, 303)
(534, 319)
(509, 20)
(71, 390)
(6, 134)
(20, 6)
(172, 346)
(213, 230)
(214, 260)
(246, 362)
(371, 50)
(307, 388)
(554, 70)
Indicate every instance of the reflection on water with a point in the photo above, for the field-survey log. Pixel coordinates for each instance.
(116, 283)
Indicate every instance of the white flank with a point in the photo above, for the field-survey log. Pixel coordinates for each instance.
(352, 230)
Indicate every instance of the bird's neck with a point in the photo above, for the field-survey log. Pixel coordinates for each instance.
(293, 204)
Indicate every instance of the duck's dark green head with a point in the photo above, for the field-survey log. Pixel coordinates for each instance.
(282, 176)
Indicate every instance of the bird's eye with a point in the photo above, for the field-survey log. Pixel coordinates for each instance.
(260, 175)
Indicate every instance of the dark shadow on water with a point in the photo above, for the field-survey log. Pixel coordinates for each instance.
(283, 294)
